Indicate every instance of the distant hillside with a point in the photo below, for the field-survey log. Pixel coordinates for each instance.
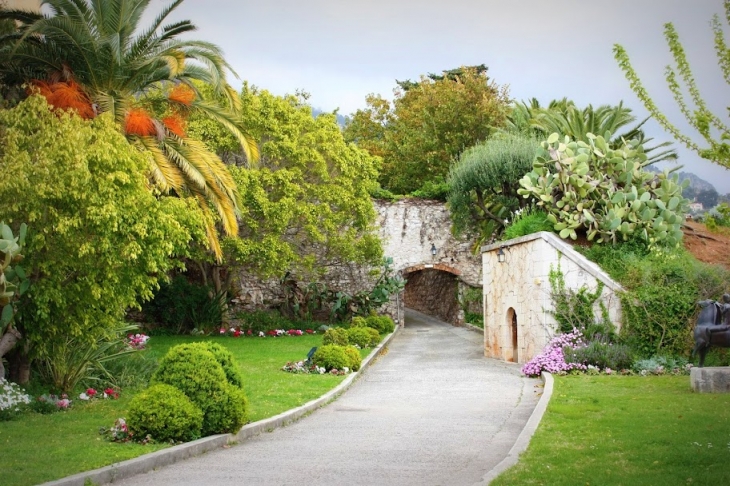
(696, 183)
(340, 118)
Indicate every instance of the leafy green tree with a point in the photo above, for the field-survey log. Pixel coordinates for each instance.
(484, 184)
(428, 126)
(99, 239)
(95, 56)
(307, 205)
(679, 78)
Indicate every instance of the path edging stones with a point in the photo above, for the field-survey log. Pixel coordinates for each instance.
(523, 440)
(171, 455)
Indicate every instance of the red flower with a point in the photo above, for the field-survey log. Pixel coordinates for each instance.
(249, 332)
(90, 392)
(237, 333)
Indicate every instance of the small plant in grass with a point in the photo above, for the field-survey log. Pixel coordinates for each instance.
(119, 432)
(49, 403)
(165, 414)
(662, 365)
(363, 337)
(353, 355)
(12, 400)
(336, 335)
(331, 356)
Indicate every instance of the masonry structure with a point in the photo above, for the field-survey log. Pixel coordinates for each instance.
(416, 234)
(518, 322)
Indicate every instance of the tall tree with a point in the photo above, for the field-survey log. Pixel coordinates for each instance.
(95, 56)
(422, 133)
(680, 80)
(307, 205)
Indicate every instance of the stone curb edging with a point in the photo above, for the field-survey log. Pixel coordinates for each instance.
(523, 440)
(165, 457)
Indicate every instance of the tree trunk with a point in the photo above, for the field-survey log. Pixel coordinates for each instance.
(8, 342)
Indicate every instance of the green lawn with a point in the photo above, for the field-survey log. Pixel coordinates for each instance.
(627, 430)
(38, 448)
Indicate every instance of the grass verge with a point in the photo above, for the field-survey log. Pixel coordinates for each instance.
(38, 448)
(611, 430)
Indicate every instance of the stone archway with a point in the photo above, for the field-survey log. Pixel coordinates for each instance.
(433, 290)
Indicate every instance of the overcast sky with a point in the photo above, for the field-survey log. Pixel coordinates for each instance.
(339, 51)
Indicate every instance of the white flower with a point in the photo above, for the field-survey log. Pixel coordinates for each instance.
(83, 396)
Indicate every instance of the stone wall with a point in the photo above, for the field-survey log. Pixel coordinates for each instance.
(434, 292)
(408, 228)
(518, 291)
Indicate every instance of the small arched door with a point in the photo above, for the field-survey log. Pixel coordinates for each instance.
(512, 323)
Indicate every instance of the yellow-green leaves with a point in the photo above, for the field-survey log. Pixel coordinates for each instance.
(100, 238)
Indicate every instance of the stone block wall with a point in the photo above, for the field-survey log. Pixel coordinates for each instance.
(518, 291)
(408, 228)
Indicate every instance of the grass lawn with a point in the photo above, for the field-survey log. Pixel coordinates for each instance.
(38, 448)
(627, 430)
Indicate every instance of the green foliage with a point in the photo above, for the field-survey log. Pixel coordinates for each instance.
(364, 337)
(484, 183)
(13, 279)
(175, 306)
(308, 202)
(354, 358)
(660, 365)
(694, 109)
(358, 321)
(70, 360)
(602, 355)
(438, 190)
(564, 117)
(336, 335)
(116, 65)
(383, 324)
(344, 306)
(526, 222)
(164, 413)
(603, 191)
(225, 359)
(331, 357)
(428, 126)
(659, 305)
(576, 309)
(101, 239)
(194, 370)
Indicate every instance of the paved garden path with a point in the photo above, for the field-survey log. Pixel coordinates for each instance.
(432, 411)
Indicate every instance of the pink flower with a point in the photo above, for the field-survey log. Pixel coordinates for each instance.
(63, 403)
(223, 331)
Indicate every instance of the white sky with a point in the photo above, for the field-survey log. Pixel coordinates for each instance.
(339, 51)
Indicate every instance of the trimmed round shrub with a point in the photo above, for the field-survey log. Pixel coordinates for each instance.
(358, 322)
(353, 355)
(335, 335)
(365, 337)
(226, 360)
(229, 412)
(164, 413)
(383, 324)
(194, 370)
(331, 356)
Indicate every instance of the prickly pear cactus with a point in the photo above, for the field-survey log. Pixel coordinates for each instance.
(604, 191)
(13, 281)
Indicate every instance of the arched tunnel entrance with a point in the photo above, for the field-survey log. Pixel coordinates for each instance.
(433, 290)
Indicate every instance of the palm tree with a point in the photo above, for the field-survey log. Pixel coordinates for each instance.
(94, 56)
(563, 117)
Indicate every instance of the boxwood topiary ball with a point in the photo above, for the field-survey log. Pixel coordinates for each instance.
(165, 413)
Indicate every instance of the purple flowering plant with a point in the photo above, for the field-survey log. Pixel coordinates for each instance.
(552, 358)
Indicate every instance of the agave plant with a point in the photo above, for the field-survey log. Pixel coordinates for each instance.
(94, 56)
